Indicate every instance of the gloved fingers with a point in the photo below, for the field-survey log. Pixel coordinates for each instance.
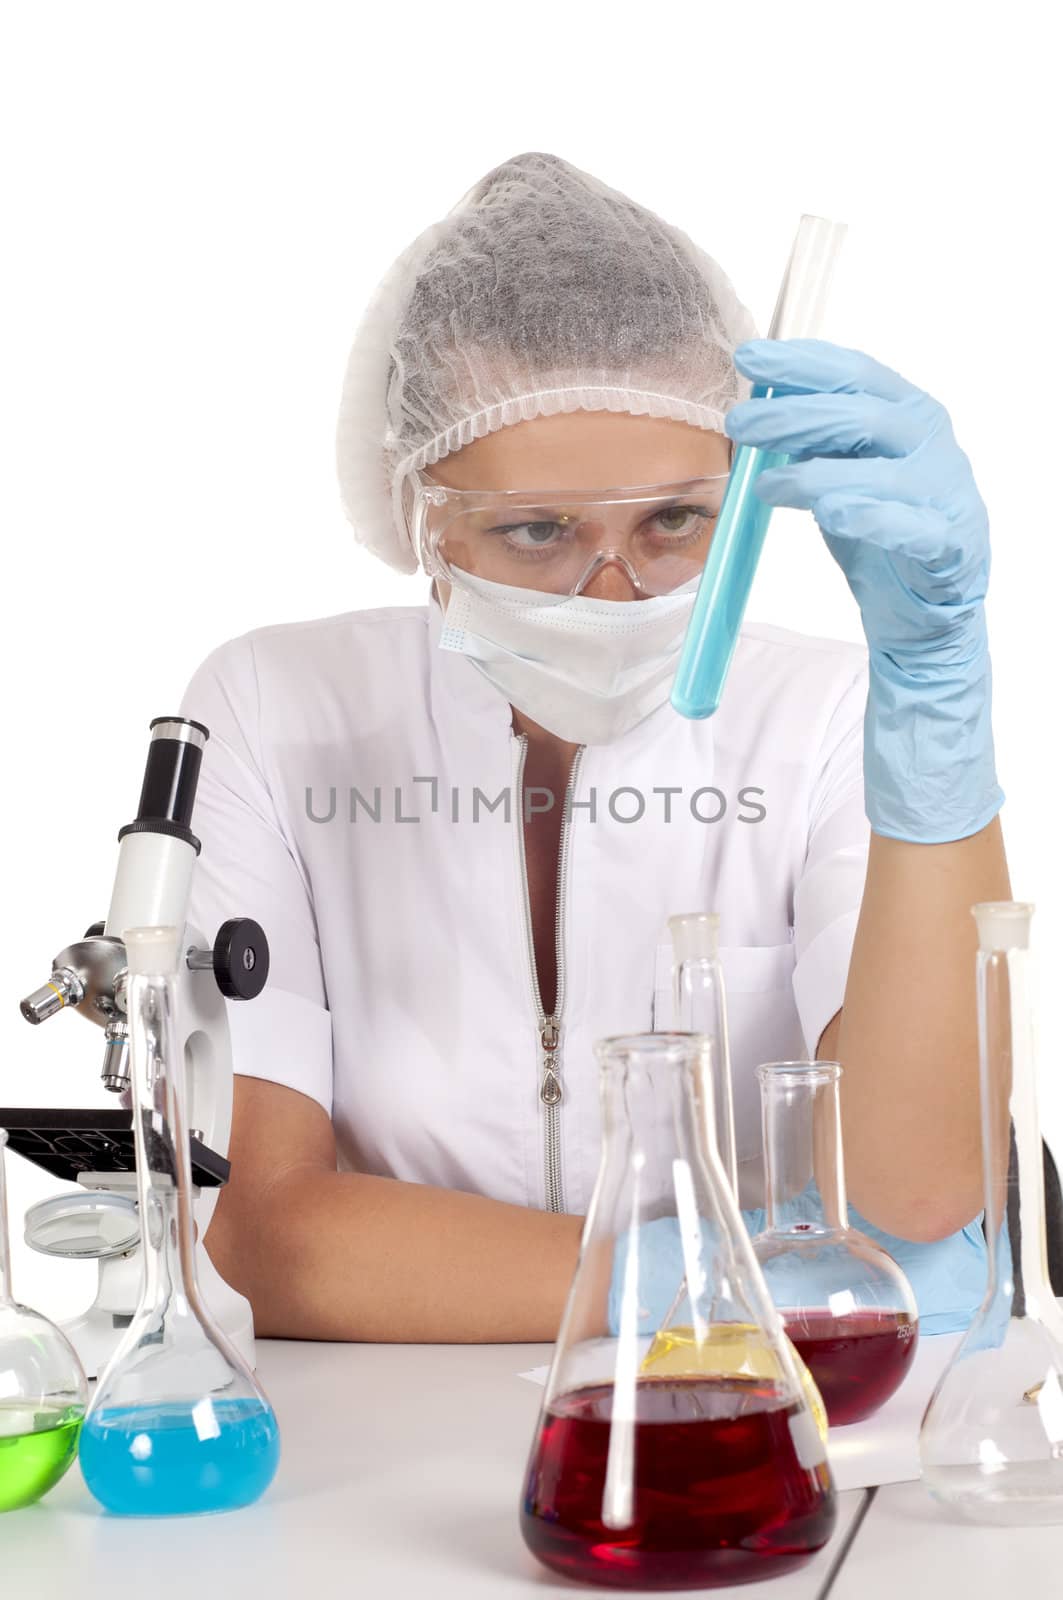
(921, 533)
(833, 424)
(867, 500)
(802, 483)
(804, 366)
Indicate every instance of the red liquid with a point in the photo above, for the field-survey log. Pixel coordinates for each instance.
(858, 1360)
(719, 1494)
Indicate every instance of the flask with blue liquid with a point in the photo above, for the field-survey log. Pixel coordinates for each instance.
(178, 1423)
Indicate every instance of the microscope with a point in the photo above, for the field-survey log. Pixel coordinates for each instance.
(95, 1148)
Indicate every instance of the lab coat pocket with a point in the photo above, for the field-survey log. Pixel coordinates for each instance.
(762, 1022)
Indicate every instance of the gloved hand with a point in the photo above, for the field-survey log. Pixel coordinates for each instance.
(948, 1276)
(875, 461)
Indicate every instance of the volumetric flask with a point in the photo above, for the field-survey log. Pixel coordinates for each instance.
(43, 1391)
(700, 1005)
(845, 1303)
(738, 537)
(701, 1472)
(992, 1438)
(178, 1422)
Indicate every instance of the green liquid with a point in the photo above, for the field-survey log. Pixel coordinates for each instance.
(36, 1447)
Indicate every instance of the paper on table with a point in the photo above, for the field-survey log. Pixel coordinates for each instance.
(885, 1448)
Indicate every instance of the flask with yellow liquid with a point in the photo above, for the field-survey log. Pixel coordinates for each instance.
(727, 1348)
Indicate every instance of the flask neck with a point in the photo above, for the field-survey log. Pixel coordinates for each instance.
(163, 1164)
(660, 1163)
(803, 1166)
(1013, 1159)
(647, 1119)
(658, 1120)
(164, 1277)
(6, 1298)
(700, 1007)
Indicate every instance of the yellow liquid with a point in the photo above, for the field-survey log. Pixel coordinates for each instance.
(729, 1349)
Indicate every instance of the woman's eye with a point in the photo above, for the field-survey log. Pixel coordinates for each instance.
(529, 535)
(681, 519)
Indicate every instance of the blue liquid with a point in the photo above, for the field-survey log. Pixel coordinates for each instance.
(150, 1461)
(723, 592)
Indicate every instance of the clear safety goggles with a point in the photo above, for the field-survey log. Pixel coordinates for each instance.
(555, 542)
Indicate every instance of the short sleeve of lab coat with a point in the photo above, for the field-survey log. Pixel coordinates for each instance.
(247, 868)
(830, 888)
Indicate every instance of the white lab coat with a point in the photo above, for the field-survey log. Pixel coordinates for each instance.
(400, 994)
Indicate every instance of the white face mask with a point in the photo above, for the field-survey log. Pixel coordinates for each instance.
(587, 670)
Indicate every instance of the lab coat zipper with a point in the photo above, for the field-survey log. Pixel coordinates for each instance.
(550, 1087)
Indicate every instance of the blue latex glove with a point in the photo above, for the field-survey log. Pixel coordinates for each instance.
(948, 1276)
(875, 461)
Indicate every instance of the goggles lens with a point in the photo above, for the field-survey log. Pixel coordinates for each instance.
(554, 543)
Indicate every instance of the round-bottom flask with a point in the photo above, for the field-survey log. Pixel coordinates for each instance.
(178, 1422)
(43, 1391)
(704, 1473)
(845, 1303)
(991, 1442)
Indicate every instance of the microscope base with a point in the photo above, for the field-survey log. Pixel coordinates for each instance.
(97, 1333)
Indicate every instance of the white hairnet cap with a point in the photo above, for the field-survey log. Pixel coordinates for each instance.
(541, 291)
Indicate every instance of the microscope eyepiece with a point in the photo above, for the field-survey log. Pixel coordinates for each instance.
(171, 775)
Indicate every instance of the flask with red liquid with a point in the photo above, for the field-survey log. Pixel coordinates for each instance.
(706, 1468)
(845, 1303)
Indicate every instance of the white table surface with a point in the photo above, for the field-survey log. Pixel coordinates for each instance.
(400, 1476)
(401, 1470)
(908, 1547)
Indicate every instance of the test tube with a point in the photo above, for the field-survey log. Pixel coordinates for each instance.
(738, 538)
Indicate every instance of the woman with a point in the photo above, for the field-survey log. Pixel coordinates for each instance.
(464, 825)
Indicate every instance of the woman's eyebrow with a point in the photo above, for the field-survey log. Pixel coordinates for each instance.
(680, 491)
(526, 508)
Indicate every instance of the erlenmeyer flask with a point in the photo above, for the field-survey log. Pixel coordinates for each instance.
(708, 1474)
(992, 1437)
(42, 1389)
(700, 1004)
(178, 1422)
(845, 1303)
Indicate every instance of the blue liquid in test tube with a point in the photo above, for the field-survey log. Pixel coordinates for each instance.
(738, 537)
(720, 604)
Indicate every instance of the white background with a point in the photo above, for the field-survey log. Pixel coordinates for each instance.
(198, 200)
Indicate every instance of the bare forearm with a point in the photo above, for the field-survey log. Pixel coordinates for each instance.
(343, 1256)
(907, 1036)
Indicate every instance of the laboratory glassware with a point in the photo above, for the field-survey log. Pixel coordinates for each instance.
(178, 1422)
(991, 1443)
(698, 1472)
(43, 1392)
(700, 1005)
(845, 1303)
(738, 537)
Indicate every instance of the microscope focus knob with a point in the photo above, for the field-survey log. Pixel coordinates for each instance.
(240, 958)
